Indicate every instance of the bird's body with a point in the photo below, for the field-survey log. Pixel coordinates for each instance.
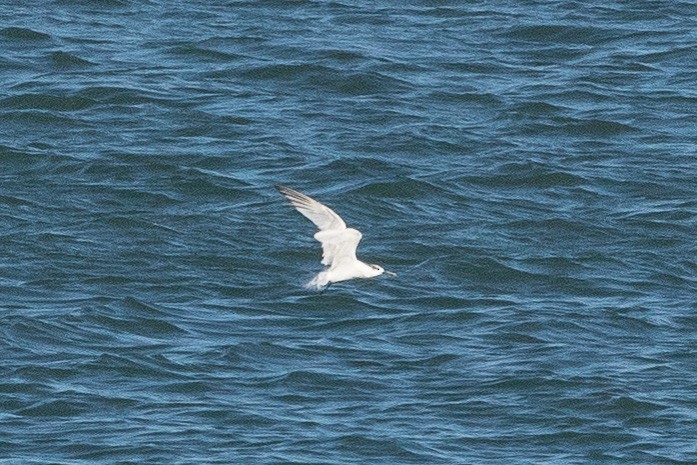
(339, 243)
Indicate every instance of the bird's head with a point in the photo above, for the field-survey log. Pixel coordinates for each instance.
(380, 270)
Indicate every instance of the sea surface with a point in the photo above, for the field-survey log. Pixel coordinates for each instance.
(528, 169)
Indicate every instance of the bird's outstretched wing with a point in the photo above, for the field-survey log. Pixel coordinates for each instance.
(338, 246)
(339, 243)
(324, 217)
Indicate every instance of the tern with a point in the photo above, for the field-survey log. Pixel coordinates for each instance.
(339, 243)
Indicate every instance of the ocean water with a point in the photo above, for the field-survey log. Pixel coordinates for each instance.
(527, 168)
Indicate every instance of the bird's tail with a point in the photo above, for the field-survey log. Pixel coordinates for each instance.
(318, 282)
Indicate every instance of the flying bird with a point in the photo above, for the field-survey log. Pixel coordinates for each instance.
(339, 243)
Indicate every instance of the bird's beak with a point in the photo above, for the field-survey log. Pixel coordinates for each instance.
(389, 273)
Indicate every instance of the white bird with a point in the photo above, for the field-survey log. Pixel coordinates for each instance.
(339, 243)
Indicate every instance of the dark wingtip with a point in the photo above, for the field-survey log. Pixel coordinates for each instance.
(295, 197)
(288, 192)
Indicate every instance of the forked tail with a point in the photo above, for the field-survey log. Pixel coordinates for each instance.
(318, 282)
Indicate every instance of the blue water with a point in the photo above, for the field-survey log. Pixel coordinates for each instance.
(527, 168)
